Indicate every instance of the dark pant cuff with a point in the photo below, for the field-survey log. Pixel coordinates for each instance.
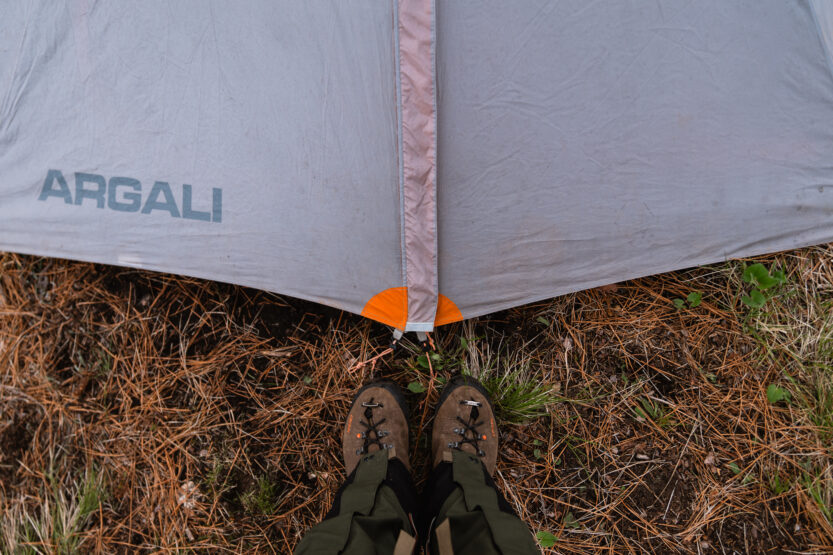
(397, 478)
(439, 486)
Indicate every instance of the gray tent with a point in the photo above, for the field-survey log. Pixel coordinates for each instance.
(417, 162)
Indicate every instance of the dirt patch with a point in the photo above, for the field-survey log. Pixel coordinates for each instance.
(18, 424)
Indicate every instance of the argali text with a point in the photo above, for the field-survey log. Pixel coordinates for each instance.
(125, 194)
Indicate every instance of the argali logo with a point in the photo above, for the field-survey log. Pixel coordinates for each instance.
(124, 194)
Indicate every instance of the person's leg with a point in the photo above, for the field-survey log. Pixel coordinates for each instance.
(374, 507)
(464, 511)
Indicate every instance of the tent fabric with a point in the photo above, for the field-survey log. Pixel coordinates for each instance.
(584, 144)
(415, 161)
(287, 108)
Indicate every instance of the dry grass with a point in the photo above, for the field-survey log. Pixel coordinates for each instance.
(147, 412)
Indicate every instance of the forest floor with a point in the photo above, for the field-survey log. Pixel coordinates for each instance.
(690, 412)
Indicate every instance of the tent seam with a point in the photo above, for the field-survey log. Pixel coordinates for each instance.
(436, 151)
(400, 147)
(417, 87)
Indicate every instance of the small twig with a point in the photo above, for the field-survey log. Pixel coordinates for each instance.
(371, 361)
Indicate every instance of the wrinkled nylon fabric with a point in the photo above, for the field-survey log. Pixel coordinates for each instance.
(497, 153)
(823, 12)
(588, 143)
(286, 107)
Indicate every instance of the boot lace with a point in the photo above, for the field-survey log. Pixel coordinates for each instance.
(372, 434)
(469, 433)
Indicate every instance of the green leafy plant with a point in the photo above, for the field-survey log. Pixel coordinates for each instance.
(755, 299)
(776, 394)
(570, 521)
(733, 466)
(449, 360)
(693, 300)
(763, 283)
(546, 539)
(537, 453)
(436, 361)
(416, 387)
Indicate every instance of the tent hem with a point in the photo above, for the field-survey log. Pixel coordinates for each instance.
(663, 269)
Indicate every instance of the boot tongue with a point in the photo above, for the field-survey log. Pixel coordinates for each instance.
(372, 439)
(468, 448)
(471, 433)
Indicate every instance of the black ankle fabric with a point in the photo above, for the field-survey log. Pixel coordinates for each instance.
(439, 486)
(398, 479)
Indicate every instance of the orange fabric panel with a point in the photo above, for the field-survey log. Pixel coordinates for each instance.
(447, 312)
(391, 307)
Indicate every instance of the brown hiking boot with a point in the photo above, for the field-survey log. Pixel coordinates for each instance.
(465, 421)
(378, 419)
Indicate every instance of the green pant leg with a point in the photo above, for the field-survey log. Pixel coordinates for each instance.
(370, 518)
(470, 522)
